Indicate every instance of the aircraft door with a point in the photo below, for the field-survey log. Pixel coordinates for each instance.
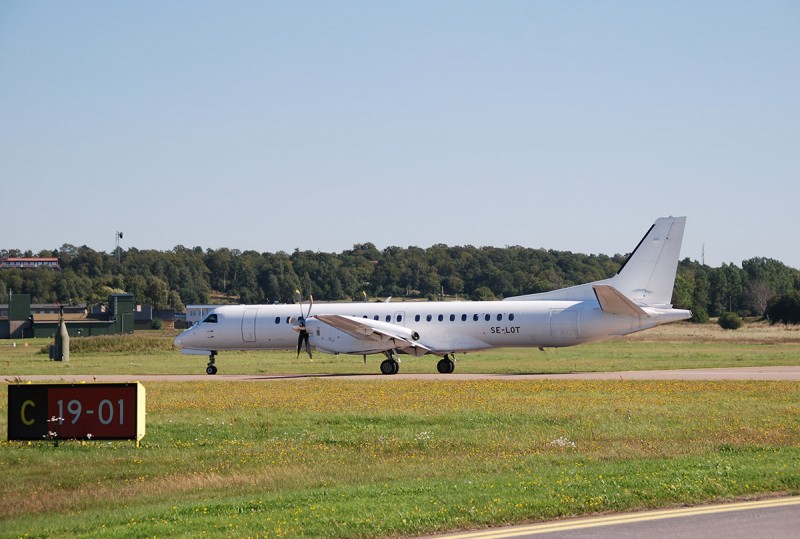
(564, 324)
(249, 325)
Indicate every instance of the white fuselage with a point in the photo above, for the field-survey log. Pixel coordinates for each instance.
(443, 326)
(636, 298)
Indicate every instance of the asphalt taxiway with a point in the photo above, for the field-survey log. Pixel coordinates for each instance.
(770, 518)
(741, 373)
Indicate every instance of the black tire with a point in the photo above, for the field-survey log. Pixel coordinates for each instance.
(211, 369)
(446, 366)
(389, 366)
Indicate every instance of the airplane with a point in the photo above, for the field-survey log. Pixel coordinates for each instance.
(638, 297)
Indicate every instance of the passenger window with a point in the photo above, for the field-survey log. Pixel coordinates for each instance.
(452, 318)
(399, 317)
(388, 317)
(463, 317)
(288, 319)
(211, 319)
(475, 317)
(511, 317)
(441, 317)
(487, 317)
(376, 317)
(428, 318)
(499, 317)
(416, 318)
(277, 319)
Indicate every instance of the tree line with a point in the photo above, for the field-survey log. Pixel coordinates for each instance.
(181, 276)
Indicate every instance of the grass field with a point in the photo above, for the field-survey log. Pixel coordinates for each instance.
(356, 458)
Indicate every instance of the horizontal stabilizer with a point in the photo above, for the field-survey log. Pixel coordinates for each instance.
(612, 301)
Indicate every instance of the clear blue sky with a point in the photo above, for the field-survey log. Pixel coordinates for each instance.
(270, 126)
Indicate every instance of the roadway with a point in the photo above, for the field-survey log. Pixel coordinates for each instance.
(741, 373)
(771, 518)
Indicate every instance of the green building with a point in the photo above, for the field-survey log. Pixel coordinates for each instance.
(21, 323)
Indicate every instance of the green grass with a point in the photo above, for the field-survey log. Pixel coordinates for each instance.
(339, 458)
(357, 458)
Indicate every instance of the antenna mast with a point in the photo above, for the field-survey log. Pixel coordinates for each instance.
(117, 253)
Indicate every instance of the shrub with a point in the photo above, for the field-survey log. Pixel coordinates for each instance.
(730, 321)
(785, 308)
(157, 324)
(117, 343)
(699, 315)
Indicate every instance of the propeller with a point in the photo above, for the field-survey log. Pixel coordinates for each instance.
(302, 337)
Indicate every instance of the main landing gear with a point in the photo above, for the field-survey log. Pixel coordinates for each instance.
(447, 364)
(211, 368)
(390, 365)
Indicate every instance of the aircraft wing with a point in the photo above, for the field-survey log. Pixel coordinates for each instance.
(365, 329)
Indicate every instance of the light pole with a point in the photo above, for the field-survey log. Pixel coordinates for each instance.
(117, 250)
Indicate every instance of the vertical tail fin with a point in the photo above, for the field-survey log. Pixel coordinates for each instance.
(648, 275)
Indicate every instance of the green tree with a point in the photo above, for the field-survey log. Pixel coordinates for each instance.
(157, 294)
(483, 293)
(174, 302)
(683, 292)
(776, 274)
(785, 308)
(137, 286)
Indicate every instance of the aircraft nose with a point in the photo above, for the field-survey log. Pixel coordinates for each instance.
(178, 341)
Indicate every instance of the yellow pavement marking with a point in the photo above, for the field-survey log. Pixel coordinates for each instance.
(627, 518)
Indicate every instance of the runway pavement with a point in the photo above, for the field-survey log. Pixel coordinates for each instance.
(770, 518)
(742, 373)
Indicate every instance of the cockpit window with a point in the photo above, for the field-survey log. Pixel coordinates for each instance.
(210, 319)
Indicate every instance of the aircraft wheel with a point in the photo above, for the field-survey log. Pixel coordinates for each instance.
(446, 366)
(211, 369)
(389, 366)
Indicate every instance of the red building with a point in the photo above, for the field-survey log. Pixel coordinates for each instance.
(28, 263)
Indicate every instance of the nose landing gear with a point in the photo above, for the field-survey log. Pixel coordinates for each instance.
(211, 368)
